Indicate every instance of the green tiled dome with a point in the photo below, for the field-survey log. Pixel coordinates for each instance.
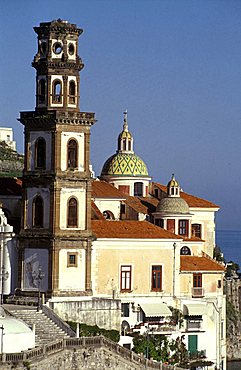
(124, 164)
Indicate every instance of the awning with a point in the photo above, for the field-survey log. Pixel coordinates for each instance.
(155, 309)
(194, 309)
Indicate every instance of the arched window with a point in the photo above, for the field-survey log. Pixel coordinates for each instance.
(185, 251)
(108, 215)
(72, 92)
(40, 153)
(138, 189)
(72, 161)
(42, 91)
(129, 144)
(72, 213)
(38, 211)
(57, 91)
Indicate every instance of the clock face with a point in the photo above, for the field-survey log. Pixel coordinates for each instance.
(57, 48)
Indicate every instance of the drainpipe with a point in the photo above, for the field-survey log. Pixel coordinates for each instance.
(218, 333)
(174, 271)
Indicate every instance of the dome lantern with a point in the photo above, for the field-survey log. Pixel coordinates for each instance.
(125, 139)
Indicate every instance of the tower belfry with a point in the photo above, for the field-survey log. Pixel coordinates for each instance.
(55, 235)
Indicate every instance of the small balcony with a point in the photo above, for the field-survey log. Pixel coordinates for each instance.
(197, 292)
(194, 325)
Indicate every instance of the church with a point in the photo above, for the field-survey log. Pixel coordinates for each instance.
(119, 250)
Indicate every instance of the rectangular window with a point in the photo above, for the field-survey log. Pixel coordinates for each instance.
(123, 209)
(125, 309)
(183, 227)
(159, 222)
(197, 230)
(197, 280)
(124, 189)
(72, 259)
(171, 225)
(197, 290)
(156, 278)
(138, 189)
(125, 278)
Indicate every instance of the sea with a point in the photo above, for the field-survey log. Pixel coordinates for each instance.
(229, 241)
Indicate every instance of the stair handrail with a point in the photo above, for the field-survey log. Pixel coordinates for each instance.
(58, 321)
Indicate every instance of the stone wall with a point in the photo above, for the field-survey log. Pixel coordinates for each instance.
(106, 313)
(83, 353)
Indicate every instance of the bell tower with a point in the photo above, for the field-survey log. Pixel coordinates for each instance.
(55, 237)
(57, 64)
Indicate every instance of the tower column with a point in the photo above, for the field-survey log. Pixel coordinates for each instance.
(88, 283)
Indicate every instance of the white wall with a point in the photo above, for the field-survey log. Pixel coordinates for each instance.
(72, 278)
(79, 137)
(80, 195)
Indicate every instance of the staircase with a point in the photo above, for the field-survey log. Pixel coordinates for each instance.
(46, 330)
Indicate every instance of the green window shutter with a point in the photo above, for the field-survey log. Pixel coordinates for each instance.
(192, 343)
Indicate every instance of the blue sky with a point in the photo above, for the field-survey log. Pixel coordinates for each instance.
(175, 65)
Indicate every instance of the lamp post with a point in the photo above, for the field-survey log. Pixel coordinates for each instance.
(4, 275)
(39, 276)
(1, 328)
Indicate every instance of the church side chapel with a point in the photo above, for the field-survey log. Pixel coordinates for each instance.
(120, 240)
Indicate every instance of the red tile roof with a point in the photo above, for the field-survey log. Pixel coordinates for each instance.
(10, 186)
(102, 189)
(95, 212)
(130, 230)
(136, 204)
(191, 200)
(195, 263)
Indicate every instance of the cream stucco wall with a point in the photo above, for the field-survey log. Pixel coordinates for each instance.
(109, 255)
(205, 217)
(209, 283)
(72, 278)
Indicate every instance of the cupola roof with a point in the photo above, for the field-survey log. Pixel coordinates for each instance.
(173, 204)
(125, 162)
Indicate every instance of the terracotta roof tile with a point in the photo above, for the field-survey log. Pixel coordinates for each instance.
(102, 189)
(150, 202)
(10, 186)
(95, 212)
(192, 200)
(130, 230)
(136, 204)
(195, 263)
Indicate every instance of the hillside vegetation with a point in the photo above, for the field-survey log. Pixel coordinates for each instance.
(11, 162)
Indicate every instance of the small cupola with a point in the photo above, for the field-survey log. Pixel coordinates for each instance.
(173, 187)
(125, 139)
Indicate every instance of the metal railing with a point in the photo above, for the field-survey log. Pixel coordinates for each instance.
(197, 292)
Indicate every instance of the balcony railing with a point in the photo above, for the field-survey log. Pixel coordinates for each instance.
(193, 325)
(197, 292)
